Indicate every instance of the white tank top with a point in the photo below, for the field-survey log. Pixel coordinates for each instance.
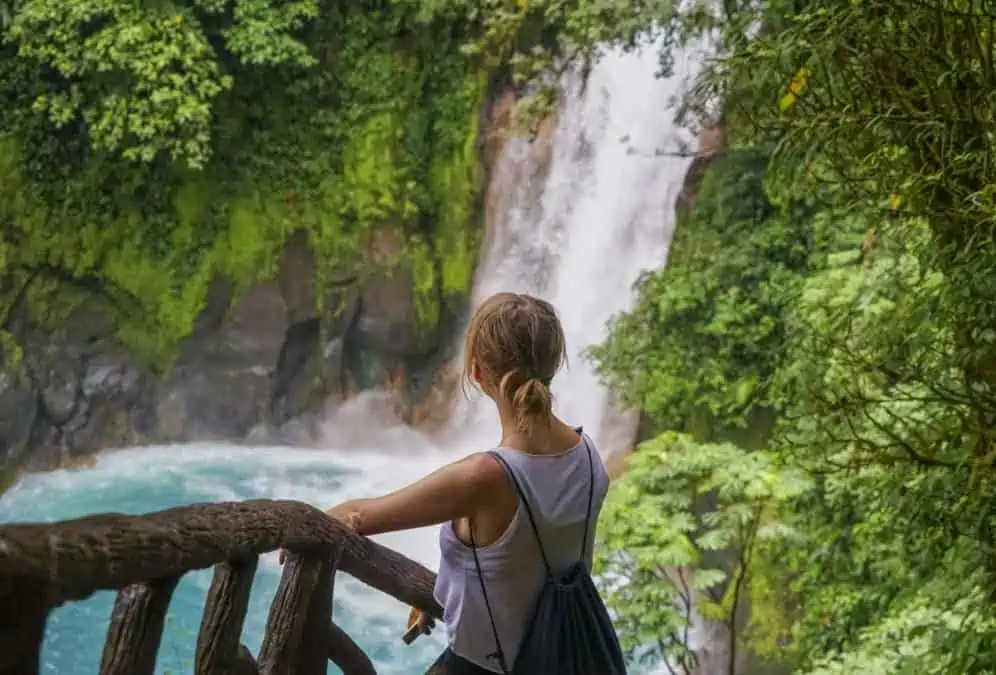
(557, 487)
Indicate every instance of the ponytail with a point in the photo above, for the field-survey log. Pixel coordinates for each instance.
(529, 397)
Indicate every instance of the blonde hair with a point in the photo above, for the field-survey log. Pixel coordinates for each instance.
(518, 342)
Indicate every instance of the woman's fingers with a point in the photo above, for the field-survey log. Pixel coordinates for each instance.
(425, 622)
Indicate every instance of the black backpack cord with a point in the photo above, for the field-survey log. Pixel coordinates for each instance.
(499, 653)
(591, 497)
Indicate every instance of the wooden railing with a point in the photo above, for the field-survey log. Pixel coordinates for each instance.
(143, 558)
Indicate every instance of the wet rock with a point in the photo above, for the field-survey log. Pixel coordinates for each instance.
(711, 142)
(109, 376)
(114, 396)
(299, 372)
(212, 402)
(255, 363)
(296, 279)
(18, 411)
(387, 321)
(55, 371)
(107, 426)
(221, 384)
(254, 330)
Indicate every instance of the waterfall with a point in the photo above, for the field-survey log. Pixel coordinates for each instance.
(577, 215)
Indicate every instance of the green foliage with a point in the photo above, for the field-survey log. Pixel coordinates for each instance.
(877, 354)
(871, 360)
(707, 334)
(142, 80)
(883, 412)
(149, 149)
(873, 406)
(916, 641)
(869, 118)
(666, 528)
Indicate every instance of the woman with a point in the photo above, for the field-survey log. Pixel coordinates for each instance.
(514, 347)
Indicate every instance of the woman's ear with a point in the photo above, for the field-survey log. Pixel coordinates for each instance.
(478, 373)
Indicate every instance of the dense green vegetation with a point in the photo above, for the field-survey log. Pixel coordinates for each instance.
(819, 357)
(147, 148)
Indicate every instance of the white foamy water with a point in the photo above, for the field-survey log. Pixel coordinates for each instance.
(603, 215)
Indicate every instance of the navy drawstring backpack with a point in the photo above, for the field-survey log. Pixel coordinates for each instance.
(570, 632)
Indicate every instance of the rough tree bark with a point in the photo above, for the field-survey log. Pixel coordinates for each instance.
(137, 627)
(224, 615)
(45, 565)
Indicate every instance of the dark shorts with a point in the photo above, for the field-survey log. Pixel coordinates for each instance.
(449, 663)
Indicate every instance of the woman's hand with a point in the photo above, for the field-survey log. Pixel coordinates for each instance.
(346, 513)
(419, 623)
(425, 622)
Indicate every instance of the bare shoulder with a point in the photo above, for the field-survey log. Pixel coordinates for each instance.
(480, 470)
(483, 464)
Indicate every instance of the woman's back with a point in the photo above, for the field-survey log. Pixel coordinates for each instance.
(515, 346)
(560, 490)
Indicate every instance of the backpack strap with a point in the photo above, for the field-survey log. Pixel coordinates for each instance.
(591, 495)
(529, 511)
(498, 653)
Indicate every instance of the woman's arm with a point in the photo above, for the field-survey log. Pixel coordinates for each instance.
(457, 490)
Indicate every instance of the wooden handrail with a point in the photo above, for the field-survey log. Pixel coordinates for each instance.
(143, 557)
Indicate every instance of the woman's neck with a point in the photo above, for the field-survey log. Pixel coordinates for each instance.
(551, 437)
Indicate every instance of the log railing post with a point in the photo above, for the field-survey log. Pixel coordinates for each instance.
(314, 654)
(245, 663)
(218, 640)
(348, 655)
(289, 614)
(23, 612)
(340, 649)
(137, 628)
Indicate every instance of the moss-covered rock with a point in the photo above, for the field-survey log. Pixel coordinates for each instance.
(312, 230)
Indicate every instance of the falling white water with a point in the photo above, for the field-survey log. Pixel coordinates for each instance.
(603, 215)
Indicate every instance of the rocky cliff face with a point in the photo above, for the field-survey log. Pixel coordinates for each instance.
(255, 362)
(260, 365)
